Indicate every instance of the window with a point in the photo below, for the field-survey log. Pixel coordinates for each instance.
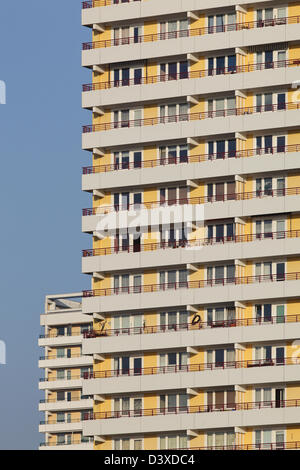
(60, 396)
(60, 352)
(60, 374)
(61, 331)
(60, 417)
(173, 441)
(173, 320)
(125, 365)
(221, 316)
(60, 438)
(219, 440)
(221, 274)
(138, 444)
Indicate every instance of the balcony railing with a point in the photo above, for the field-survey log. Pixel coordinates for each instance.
(201, 367)
(170, 287)
(55, 400)
(66, 335)
(192, 32)
(188, 117)
(173, 160)
(73, 441)
(247, 406)
(200, 325)
(66, 378)
(246, 196)
(105, 3)
(65, 356)
(164, 78)
(190, 244)
(85, 416)
(281, 445)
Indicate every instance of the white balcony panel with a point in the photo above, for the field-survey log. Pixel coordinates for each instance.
(183, 422)
(61, 427)
(192, 338)
(152, 8)
(209, 211)
(189, 171)
(73, 317)
(195, 128)
(67, 405)
(192, 296)
(181, 256)
(179, 88)
(60, 384)
(82, 446)
(194, 44)
(66, 362)
(61, 341)
(199, 380)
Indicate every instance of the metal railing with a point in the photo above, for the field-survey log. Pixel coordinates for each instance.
(170, 287)
(57, 335)
(200, 325)
(201, 367)
(104, 3)
(189, 244)
(246, 406)
(165, 78)
(283, 445)
(55, 400)
(73, 441)
(173, 160)
(65, 356)
(188, 117)
(245, 196)
(57, 379)
(190, 32)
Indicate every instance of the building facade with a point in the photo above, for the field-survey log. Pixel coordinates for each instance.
(64, 406)
(194, 224)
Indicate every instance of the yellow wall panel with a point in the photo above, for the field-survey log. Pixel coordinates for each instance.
(151, 442)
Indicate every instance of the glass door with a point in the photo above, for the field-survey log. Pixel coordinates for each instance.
(125, 77)
(137, 76)
(280, 271)
(280, 314)
(137, 159)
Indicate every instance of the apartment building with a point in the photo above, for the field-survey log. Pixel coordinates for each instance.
(64, 406)
(195, 321)
(194, 174)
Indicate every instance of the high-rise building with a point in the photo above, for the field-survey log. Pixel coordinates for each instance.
(194, 224)
(64, 405)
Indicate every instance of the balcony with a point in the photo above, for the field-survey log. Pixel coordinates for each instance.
(181, 252)
(75, 444)
(52, 340)
(247, 288)
(93, 11)
(197, 209)
(199, 124)
(74, 425)
(55, 362)
(191, 335)
(51, 404)
(104, 3)
(189, 83)
(191, 167)
(190, 41)
(290, 445)
(50, 383)
(199, 417)
(194, 376)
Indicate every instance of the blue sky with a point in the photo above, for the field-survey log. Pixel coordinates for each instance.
(41, 198)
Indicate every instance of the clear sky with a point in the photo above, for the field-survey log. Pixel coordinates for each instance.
(41, 198)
